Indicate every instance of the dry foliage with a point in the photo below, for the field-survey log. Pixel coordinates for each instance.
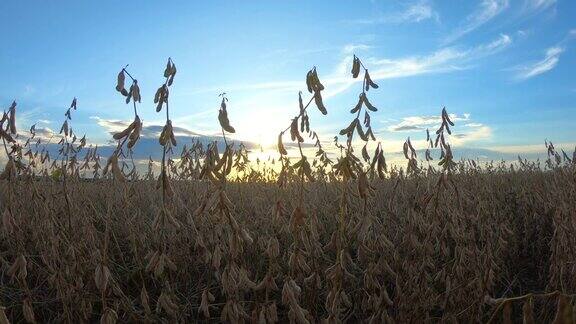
(215, 238)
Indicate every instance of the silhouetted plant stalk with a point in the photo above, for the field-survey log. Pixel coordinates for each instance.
(298, 266)
(350, 167)
(46, 165)
(18, 269)
(427, 154)
(67, 154)
(7, 134)
(103, 276)
(130, 133)
(164, 222)
(30, 168)
(235, 277)
(230, 239)
(446, 161)
(167, 138)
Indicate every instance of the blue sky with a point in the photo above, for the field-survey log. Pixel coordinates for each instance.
(505, 68)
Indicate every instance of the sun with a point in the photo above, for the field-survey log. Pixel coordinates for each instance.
(261, 128)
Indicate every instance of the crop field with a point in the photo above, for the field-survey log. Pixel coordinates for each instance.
(494, 235)
(208, 235)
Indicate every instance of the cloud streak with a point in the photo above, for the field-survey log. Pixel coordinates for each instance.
(539, 5)
(415, 12)
(475, 134)
(549, 62)
(443, 60)
(569, 147)
(461, 135)
(486, 11)
(419, 123)
(148, 130)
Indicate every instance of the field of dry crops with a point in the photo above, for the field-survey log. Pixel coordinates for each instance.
(339, 237)
(505, 234)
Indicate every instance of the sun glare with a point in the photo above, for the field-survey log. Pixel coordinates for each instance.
(261, 128)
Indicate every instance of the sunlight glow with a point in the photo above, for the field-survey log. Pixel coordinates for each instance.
(261, 127)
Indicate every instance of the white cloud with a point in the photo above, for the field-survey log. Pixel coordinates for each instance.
(111, 126)
(457, 139)
(478, 133)
(418, 12)
(540, 4)
(549, 62)
(533, 148)
(486, 11)
(524, 32)
(460, 136)
(149, 130)
(353, 48)
(496, 45)
(414, 12)
(46, 134)
(443, 60)
(419, 123)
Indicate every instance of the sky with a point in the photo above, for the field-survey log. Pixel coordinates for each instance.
(504, 69)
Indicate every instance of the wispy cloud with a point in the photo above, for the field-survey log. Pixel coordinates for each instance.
(46, 134)
(414, 12)
(549, 62)
(475, 134)
(417, 12)
(538, 5)
(459, 138)
(533, 148)
(111, 126)
(471, 132)
(148, 143)
(354, 48)
(443, 60)
(419, 123)
(148, 130)
(494, 46)
(523, 32)
(486, 11)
